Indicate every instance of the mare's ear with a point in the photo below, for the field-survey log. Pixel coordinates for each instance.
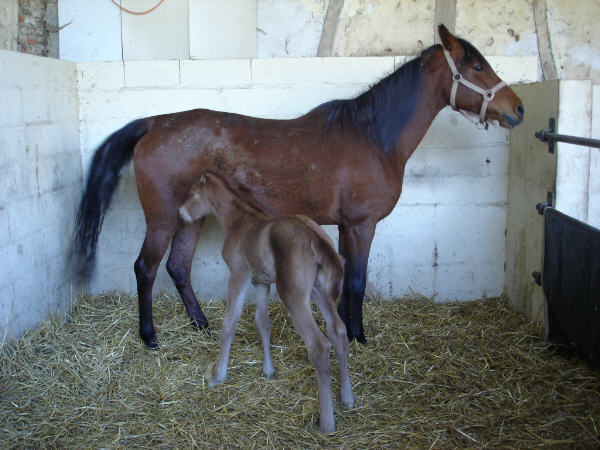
(447, 38)
(202, 179)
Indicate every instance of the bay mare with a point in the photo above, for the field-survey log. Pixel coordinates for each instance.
(341, 163)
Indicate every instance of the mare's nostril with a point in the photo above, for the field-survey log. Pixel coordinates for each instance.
(520, 111)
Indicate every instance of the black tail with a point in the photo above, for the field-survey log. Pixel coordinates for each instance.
(103, 177)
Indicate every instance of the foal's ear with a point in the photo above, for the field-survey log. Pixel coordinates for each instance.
(447, 38)
(202, 179)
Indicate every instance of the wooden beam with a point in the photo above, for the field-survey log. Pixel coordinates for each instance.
(445, 12)
(543, 38)
(330, 25)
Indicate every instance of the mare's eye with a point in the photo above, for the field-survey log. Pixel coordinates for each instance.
(478, 68)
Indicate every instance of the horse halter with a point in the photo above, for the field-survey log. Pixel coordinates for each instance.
(487, 94)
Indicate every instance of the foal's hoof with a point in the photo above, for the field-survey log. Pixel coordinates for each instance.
(348, 402)
(327, 428)
(269, 376)
(215, 381)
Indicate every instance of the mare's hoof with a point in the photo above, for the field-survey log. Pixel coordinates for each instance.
(151, 343)
(358, 334)
(361, 339)
(200, 324)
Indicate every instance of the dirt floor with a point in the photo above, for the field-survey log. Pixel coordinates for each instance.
(432, 375)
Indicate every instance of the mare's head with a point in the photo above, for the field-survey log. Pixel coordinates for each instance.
(197, 205)
(473, 87)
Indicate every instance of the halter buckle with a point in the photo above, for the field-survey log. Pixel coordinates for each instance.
(489, 95)
(457, 77)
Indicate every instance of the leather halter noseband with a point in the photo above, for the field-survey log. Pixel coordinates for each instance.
(487, 94)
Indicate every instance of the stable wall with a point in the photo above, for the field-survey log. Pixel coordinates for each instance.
(445, 238)
(40, 185)
(571, 174)
(562, 33)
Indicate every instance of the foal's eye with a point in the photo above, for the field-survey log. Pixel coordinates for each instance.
(479, 68)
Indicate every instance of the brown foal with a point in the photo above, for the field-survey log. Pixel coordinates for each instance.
(294, 253)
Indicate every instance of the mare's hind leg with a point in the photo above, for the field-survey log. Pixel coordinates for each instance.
(238, 285)
(318, 352)
(336, 332)
(263, 325)
(154, 247)
(179, 266)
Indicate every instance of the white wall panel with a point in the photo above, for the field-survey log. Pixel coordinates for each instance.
(92, 31)
(222, 29)
(161, 34)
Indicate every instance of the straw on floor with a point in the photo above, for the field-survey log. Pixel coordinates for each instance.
(469, 374)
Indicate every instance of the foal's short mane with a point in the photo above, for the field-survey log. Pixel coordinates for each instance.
(383, 111)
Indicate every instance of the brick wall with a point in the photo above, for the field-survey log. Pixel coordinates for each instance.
(38, 27)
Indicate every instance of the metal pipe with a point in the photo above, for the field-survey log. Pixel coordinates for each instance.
(548, 136)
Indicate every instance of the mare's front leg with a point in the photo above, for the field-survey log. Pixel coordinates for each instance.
(239, 281)
(179, 266)
(354, 246)
(263, 325)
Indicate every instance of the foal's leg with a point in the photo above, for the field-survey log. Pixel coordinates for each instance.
(238, 285)
(336, 332)
(179, 266)
(154, 247)
(318, 352)
(263, 325)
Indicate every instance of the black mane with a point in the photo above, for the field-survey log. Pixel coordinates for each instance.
(382, 112)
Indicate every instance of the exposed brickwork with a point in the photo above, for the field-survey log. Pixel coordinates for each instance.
(38, 27)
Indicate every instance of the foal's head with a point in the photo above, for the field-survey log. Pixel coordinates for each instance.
(197, 204)
(478, 90)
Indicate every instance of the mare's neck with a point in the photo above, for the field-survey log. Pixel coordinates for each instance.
(431, 100)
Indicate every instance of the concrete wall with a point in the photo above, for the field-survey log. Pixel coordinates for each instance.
(447, 230)
(40, 184)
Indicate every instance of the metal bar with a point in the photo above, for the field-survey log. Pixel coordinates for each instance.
(549, 136)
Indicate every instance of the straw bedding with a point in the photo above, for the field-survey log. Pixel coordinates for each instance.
(469, 374)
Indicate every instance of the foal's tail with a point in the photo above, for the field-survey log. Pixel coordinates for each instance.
(330, 273)
(102, 180)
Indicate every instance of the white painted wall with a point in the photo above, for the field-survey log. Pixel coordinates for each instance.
(40, 185)
(222, 29)
(573, 161)
(447, 230)
(89, 33)
(161, 34)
